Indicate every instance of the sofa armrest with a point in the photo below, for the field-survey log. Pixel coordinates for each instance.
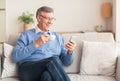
(0, 57)
(118, 69)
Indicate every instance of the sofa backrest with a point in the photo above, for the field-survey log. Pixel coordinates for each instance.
(78, 38)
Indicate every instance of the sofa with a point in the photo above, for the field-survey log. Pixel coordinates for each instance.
(96, 58)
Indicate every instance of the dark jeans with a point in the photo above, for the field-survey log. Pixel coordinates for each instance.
(49, 69)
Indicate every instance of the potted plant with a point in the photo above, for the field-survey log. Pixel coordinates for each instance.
(27, 19)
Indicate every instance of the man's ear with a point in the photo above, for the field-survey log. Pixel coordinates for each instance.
(38, 18)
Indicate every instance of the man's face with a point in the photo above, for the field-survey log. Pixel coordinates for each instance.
(45, 20)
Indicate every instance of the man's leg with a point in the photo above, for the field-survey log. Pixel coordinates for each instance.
(46, 76)
(56, 70)
(32, 71)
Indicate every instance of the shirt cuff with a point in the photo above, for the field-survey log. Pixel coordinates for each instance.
(69, 53)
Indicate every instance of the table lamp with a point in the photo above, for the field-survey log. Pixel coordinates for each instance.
(106, 11)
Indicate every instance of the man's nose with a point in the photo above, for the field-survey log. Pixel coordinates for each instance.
(50, 22)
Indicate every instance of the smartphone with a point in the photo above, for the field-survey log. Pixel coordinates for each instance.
(71, 38)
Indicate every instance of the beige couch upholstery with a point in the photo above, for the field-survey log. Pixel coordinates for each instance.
(77, 71)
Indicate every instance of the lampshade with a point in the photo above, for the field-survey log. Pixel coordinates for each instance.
(106, 10)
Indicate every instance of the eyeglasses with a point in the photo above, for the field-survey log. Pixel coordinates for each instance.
(50, 19)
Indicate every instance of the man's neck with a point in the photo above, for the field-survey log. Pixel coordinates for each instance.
(41, 28)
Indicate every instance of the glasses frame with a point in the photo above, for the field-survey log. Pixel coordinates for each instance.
(49, 19)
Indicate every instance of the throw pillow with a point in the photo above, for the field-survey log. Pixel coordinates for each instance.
(98, 58)
(9, 68)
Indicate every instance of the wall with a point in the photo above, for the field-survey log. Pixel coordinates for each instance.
(116, 19)
(71, 15)
(2, 20)
(2, 3)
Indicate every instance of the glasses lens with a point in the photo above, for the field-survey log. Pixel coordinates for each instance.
(50, 19)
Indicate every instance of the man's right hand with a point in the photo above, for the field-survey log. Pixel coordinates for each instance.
(42, 40)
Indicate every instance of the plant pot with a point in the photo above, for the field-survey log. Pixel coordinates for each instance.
(27, 26)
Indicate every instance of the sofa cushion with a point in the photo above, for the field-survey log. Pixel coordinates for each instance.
(98, 58)
(77, 77)
(118, 66)
(10, 79)
(9, 68)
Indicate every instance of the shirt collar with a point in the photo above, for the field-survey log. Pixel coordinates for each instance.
(37, 30)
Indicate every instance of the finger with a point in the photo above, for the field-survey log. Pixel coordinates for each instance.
(46, 35)
(72, 41)
(69, 48)
(70, 44)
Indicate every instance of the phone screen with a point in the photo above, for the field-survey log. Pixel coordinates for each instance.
(71, 38)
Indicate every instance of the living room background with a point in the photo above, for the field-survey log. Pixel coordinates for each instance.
(71, 15)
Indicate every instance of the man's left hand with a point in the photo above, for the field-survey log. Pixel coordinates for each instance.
(70, 46)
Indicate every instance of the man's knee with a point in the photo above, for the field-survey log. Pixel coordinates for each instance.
(56, 60)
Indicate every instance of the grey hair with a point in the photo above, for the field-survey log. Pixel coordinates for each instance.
(44, 9)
